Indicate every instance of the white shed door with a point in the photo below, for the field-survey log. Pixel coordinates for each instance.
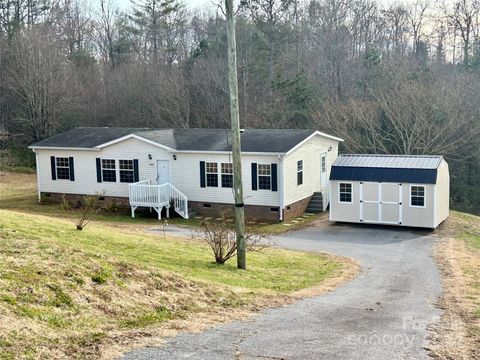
(381, 203)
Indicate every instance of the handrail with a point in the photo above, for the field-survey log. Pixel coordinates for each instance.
(142, 193)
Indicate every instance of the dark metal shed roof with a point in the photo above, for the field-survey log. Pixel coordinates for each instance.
(253, 140)
(418, 169)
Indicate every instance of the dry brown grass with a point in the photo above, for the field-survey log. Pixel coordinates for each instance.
(457, 334)
(69, 294)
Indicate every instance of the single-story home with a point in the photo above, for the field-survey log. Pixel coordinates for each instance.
(284, 172)
(404, 190)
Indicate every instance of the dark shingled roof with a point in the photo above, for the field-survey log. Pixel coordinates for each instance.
(416, 169)
(253, 140)
(86, 137)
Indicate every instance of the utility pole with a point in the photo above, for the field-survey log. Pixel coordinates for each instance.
(236, 149)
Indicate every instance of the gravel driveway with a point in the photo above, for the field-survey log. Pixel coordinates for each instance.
(382, 314)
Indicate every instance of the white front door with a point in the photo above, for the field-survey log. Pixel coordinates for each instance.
(323, 170)
(163, 171)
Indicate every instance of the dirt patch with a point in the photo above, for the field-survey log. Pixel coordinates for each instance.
(457, 334)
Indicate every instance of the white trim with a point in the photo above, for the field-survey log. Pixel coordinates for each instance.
(133, 136)
(322, 185)
(228, 152)
(379, 204)
(61, 148)
(38, 176)
(117, 174)
(330, 200)
(400, 204)
(281, 174)
(360, 196)
(434, 205)
(300, 171)
(258, 176)
(424, 197)
(311, 136)
(351, 198)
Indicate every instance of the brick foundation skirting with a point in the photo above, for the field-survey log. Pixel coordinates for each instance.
(252, 212)
(104, 201)
(296, 209)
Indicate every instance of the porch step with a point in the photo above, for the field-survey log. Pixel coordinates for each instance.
(316, 203)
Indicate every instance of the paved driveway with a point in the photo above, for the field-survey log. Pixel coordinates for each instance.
(381, 314)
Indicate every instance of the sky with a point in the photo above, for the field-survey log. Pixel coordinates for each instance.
(192, 4)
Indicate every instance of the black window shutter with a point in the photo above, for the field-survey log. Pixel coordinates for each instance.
(274, 177)
(52, 165)
(71, 167)
(99, 170)
(136, 176)
(254, 176)
(202, 174)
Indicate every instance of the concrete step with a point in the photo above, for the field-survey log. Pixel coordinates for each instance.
(315, 207)
(314, 211)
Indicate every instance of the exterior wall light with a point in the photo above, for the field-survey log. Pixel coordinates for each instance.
(149, 156)
(174, 157)
(330, 148)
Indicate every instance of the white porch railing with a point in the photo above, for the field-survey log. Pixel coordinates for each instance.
(144, 194)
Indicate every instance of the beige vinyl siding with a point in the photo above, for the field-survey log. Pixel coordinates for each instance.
(85, 168)
(348, 212)
(309, 152)
(411, 216)
(186, 177)
(185, 172)
(442, 204)
(416, 216)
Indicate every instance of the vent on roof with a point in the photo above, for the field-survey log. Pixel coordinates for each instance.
(242, 130)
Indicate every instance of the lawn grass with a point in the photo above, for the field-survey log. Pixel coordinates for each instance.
(18, 191)
(460, 255)
(271, 270)
(66, 293)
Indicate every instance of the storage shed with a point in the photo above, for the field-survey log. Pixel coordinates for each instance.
(403, 190)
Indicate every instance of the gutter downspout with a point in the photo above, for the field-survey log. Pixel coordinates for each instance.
(282, 185)
(38, 176)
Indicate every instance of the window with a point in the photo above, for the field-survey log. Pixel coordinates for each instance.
(212, 174)
(227, 175)
(264, 176)
(299, 172)
(324, 163)
(126, 171)
(108, 170)
(345, 192)
(63, 168)
(417, 196)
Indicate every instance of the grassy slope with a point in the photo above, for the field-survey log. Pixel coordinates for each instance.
(458, 255)
(18, 192)
(69, 293)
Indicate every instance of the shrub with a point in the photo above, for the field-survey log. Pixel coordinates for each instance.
(221, 239)
(82, 213)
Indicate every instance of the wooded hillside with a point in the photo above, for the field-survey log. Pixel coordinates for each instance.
(402, 78)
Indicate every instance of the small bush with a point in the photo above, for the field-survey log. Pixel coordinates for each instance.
(82, 213)
(221, 239)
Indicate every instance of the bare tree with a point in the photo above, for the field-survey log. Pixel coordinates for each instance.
(39, 78)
